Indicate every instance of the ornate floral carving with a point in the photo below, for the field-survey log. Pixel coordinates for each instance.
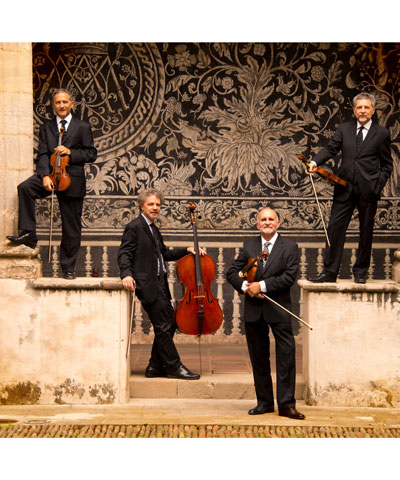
(219, 123)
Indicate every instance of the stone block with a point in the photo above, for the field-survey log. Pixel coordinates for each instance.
(351, 357)
(63, 342)
(142, 387)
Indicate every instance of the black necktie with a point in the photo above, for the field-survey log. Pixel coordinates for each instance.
(359, 138)
(160, 260)
(63, 123)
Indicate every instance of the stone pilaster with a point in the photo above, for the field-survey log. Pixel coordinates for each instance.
(396, 267)
(16, 153)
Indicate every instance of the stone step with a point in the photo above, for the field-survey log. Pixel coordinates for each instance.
(214, 386)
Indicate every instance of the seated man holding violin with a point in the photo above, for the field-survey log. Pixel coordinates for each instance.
(77, 143)
(275, 272)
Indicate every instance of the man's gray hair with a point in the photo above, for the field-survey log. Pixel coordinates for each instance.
(61, 90)
(364, 95)
(147, 193)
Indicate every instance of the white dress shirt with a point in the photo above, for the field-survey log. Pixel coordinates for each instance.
(68, 119)
(270, 247)
(366, 128)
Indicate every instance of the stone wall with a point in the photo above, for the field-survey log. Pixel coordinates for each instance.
(63, 342)
(351, 357)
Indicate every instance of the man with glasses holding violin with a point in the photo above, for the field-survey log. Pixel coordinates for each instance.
(366, 166)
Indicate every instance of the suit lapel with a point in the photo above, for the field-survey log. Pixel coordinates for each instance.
(71, 128)
(370, 134)
(353, 133)
(146, 229)
(273, 255)
(53, 128)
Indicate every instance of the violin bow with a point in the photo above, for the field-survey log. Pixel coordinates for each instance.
(302, 158)
(286, 310)
(131, 313)
(319, 209)
(51, 223)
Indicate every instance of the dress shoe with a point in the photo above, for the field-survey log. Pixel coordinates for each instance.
(26, 238)
(324, 277)
(358, 278)
(260, 409)
(69, 275)
(291, 412)
(183, 373)
(152, 372)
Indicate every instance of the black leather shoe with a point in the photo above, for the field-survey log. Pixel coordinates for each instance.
(69, 275)
(260, 409)
(27, 238)
(152, 372)
(359, 278)
(291, 412)
(183, 373)
(324, 277)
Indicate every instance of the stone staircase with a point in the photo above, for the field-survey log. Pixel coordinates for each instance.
(226, 374)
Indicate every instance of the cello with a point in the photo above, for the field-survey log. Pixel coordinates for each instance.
(198, 311)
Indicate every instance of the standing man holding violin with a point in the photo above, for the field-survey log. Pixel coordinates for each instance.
(141, 259)
(77, 143)
(274, 275)
(366, 166)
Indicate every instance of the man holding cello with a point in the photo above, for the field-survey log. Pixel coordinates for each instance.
(76, 143)
(141, 259)
(276, 267)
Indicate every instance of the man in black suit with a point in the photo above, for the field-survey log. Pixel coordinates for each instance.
(275, 275)
(77, 143)
(366, 165)
(141, 259)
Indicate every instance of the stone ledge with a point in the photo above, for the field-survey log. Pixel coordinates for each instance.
(79, 283)
(9, 250)
(376, 286)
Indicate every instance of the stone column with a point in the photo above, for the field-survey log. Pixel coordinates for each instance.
(16, 153)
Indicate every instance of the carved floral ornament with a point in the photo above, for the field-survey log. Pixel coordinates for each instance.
(219, 122)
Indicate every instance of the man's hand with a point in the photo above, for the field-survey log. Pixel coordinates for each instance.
(193, 251)
(311, 166)
(61, 150)
(47, 183)
(254, 289)
(129, 283)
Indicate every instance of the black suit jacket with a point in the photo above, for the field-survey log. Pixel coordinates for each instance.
(137, 257)
(78, 138)
(370, 168)
(279, 275)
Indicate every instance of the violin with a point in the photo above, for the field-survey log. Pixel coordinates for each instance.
(59, 175)
(249, 273)
(250, 270)
(198, 311)
(326, 174)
